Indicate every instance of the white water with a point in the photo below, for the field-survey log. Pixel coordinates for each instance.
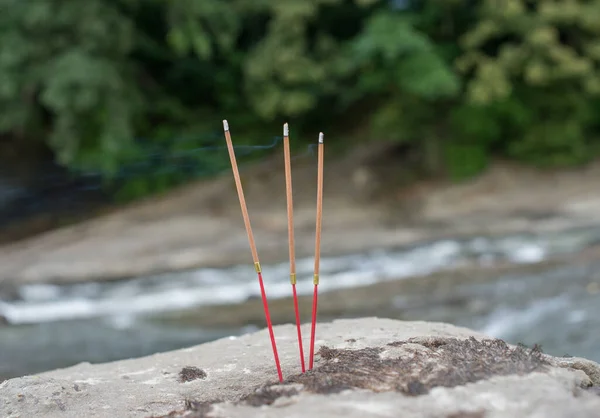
(124, 300)
(506, 322)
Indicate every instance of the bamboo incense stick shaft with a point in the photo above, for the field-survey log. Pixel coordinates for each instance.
(317, 249)
(288, 191)
(290, 215)
(240, 191)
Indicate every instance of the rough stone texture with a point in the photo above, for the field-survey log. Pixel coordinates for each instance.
(367, 367)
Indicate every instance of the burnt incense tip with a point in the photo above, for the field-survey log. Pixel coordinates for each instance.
(286, 129)
(320, 137)
(225, 125)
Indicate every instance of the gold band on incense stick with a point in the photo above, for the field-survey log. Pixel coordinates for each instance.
(315, 279)
(293, 278)
(257, 267)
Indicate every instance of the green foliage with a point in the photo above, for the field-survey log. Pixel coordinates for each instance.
(107, 84)
(400, 65)
(406, 59)
(465, 160)
(545, 56)
(66, 78)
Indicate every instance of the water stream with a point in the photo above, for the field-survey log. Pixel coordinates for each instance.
(56, 326)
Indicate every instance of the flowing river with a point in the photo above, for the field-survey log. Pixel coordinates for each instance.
(557, 306)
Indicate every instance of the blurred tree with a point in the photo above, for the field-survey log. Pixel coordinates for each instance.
(134, 88)
(66, 79)
(392, 59)
(542, 60)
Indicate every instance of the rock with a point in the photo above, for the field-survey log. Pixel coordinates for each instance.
(364, 367)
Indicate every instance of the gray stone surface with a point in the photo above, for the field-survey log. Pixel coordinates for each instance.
(232, 369)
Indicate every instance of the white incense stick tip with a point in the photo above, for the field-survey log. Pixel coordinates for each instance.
(286, 130)
(225, 125)
(320, 137)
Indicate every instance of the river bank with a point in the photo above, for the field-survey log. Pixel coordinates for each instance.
(366, 207)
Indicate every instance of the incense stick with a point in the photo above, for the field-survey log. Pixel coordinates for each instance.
(240, 191)
(317, 250)
(290, 215)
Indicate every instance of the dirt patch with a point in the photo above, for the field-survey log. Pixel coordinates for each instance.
(266, 395)
(192, 409)
(476, 414)
(447, 363)
(423, 363)
(190, 373)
